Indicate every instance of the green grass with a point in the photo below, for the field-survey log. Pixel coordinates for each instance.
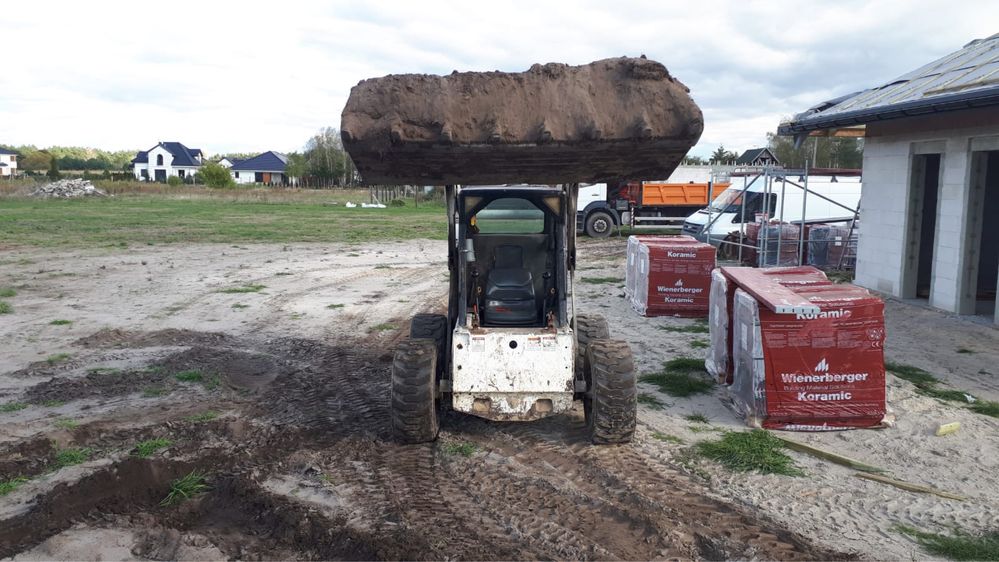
(61, 322)
(202, 417)
(965, 350)
(66, 423)
(687, 329)
(601, 280)
(667, 438)
(53, 403)
(926, 383)
(71, 456)
(212, 382)
(697, 418)
(7, 293)
(959, 546)
(210, 216)
(251, 288)
(240, 305)
(384, 326)
(185, 488)
(189, 376)
(12, 406)
(986, 408)
(651, 401)
(680, 377)
(462, 449)
(750, 451)
(700, 344)
(153, 392)
(6, 308)
(8, 486)
(147, 448)
(915, 375)
(334, 306)
(57, 358)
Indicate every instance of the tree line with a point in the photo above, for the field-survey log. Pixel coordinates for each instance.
(820, 152)
(34, 159)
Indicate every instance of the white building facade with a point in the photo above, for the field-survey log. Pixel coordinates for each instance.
(166, 160)
(8, 163)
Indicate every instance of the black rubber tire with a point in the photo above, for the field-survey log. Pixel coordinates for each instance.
(599, 224)
(589, 327)
(611, 404)
(431, 327)
(414, 391)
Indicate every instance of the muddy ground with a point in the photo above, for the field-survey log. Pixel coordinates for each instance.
(289, 425)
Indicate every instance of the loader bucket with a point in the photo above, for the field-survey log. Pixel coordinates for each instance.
(554, 123)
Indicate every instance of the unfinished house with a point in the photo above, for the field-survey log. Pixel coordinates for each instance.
(930, 204)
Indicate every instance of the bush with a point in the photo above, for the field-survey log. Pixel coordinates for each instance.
(397, 203)
(213, 175)
(175, 181)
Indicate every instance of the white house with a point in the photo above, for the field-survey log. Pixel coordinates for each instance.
(167, 159)
(227, 162)
(8, 163)
(267, 168)
(929, 215)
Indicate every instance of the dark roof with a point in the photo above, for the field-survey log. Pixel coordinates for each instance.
(5, 151)
(752, 154)
(964, 79)
(141, 157)
(3, 164)
(182, 156)
(269, 161)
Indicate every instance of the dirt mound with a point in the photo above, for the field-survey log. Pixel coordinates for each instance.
(113, 337)
(248, 371)
(555, 123)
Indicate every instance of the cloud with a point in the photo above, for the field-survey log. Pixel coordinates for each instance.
(254, 75)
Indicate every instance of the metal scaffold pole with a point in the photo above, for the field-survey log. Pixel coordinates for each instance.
(804, 208)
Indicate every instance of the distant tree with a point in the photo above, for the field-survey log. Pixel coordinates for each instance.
(721, 155)
(327, 159)
(53, 173)
(34, 160)
(297, 166)
(213, 175)
(691, 160)
(820, 152)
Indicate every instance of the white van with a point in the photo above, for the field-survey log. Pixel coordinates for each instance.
(831, 199)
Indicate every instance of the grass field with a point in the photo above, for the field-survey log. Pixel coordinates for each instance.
(184, 215)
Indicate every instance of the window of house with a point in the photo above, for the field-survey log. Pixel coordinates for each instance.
(144, 173)
(159, 159)
(180, 173)
(13, 158)
(237, 175)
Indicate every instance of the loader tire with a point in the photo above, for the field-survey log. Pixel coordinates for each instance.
(589, 327)
(611, 403)
(414, 391)
(431, 327)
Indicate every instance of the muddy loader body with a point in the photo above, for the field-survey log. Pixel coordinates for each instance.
(512, 347)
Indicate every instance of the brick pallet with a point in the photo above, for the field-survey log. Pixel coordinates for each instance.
(669, 275)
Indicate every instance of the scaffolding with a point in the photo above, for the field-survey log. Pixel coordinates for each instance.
(770, 250)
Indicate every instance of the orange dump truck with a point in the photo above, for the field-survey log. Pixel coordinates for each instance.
(641, 203)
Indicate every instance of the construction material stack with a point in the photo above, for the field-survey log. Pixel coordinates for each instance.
(806, 354)
(669, 275)
(832, 246)
(774, 244)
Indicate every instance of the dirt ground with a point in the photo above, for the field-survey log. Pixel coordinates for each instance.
(290, 426)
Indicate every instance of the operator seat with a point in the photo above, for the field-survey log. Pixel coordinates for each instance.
(509, 290)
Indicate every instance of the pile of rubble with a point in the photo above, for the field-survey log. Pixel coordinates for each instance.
(68, 189)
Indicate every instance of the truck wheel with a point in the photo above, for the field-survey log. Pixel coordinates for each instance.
(612, 399)
(589, 327)
(414, 390)
(599, 224)
(431, 327)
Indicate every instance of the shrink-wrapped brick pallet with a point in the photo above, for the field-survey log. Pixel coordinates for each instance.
(810, 372)
(827, 244)
(669, 275)
(722, 295)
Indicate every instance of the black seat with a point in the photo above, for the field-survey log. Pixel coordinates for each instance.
(509, 289)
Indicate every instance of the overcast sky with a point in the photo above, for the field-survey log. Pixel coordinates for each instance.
(260, 75)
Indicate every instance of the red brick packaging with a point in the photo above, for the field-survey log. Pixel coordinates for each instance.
(672, 277)
(722, 297)
(811, 372)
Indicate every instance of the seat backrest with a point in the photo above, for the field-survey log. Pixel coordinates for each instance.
(508, 256)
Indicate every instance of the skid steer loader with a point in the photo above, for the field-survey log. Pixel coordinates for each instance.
(512, 346)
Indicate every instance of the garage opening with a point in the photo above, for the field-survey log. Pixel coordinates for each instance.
(922, 225)
(985, 197)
